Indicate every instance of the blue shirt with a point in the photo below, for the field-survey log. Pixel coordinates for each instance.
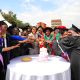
(17, 37)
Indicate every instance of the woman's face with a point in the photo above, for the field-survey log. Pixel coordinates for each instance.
(40, 30)
(56, 31)
(34, 30)
(48, 32)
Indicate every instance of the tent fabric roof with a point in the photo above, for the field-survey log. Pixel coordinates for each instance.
(2, 19)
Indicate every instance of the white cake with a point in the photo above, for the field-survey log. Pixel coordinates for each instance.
(43, 56)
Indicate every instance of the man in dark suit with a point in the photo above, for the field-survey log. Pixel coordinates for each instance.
(5, 44)
(71, 45)
(4, 49)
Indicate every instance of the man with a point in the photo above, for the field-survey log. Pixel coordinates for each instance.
(5, 44)
(71, 45)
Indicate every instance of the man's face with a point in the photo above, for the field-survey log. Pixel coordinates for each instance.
(71, 32)
(4, 29)
(0, 31)
(15, 31)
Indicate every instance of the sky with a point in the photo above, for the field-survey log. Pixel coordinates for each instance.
(34, 11)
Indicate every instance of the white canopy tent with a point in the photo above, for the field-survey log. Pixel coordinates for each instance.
(2, 19)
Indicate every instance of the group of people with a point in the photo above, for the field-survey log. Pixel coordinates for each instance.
(15, 42)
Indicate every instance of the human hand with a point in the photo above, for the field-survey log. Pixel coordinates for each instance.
(17, 45)
(48, 41)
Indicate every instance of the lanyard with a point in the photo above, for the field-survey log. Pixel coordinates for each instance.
(4, 43)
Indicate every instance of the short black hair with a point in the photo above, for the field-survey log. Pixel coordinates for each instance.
(47, 28)
(2, 23)
(40, 27)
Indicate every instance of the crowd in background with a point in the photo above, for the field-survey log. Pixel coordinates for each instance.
(16, 42)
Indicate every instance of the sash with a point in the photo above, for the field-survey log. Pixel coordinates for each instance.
(64, 54)
(1, 59)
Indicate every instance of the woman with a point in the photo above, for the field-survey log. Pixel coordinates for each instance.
(56, 33)
(34, 36)
(48, 37)
(40, 32)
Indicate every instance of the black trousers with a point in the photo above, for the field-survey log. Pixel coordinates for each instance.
(2, 74)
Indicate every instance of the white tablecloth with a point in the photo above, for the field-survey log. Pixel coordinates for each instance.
(56, 68)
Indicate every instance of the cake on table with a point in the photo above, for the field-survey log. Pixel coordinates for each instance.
(43, 56)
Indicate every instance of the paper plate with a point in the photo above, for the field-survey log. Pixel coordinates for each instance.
(26, 59)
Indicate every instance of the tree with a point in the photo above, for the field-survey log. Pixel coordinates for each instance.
(11, 18)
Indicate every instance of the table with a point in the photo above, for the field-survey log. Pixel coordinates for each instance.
(56, 68)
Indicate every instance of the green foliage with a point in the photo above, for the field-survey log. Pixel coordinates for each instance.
(11, 18)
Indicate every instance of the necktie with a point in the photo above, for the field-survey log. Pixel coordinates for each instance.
(4, 42)
(1, 42)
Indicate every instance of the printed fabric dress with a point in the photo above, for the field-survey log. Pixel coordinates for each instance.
(49, 45)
